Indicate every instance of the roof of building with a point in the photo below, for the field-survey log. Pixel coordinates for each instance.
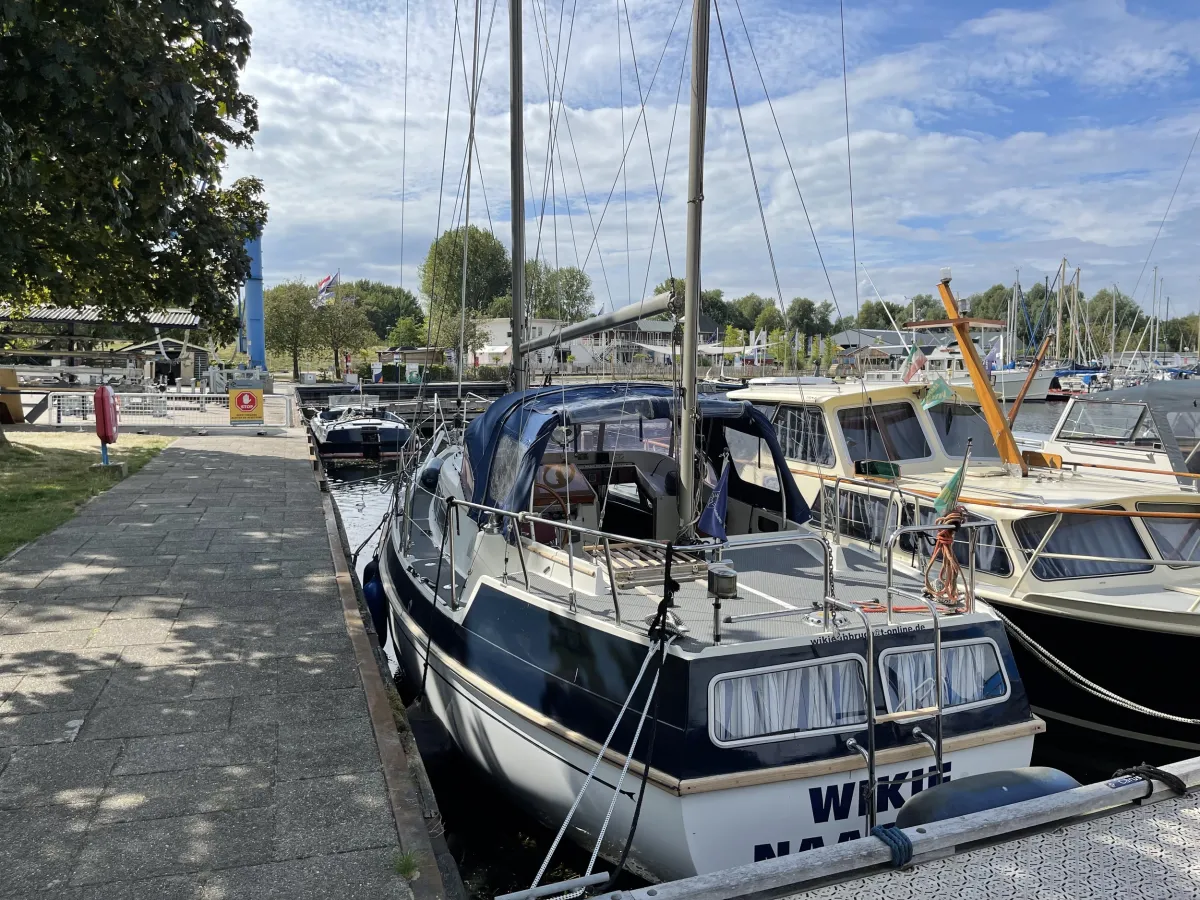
(172, 343)
(94, 315)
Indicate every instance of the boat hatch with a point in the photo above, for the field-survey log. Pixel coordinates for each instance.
(634, 564)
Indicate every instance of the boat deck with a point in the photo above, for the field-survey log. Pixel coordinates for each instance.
(778, 578)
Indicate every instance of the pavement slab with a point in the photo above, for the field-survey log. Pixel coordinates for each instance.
(181, 712)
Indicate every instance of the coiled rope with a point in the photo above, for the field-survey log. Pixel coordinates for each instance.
(1151, 774)
(943, 585)
(897, 841)
(1062, 669)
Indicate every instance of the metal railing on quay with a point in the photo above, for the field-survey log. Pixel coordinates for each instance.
(164, 409)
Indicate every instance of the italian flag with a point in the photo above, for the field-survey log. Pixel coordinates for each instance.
(914, 363)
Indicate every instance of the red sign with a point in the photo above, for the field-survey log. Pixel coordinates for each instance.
(247, 401)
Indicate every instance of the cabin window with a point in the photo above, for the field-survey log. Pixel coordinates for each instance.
(1083, 535)
(785, 701)
(888, 431)
(1174, 538)
(803, 435)
(990, 555)
(1113, 423)
(971, 675)
(955, 423)
(865, 517)
(1185, 425)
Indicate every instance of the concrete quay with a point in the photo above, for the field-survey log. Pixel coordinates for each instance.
(185, 706)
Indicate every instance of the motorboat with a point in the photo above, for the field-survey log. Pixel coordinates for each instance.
(1147, 433)
(1094, 564)
(537, 562)
(358, 432)
(947, 363)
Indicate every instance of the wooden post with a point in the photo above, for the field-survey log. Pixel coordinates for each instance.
(992, 413)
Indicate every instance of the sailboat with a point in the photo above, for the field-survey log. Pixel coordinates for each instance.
(609, 596)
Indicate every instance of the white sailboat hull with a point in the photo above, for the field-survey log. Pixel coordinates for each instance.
(681, 832)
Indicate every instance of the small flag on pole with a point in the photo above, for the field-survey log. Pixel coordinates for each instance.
(914, 363)
(327, 285)
(939, 392)
(712, 520)
(948, 498)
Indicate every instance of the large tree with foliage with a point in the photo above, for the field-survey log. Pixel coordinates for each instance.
(290, 320)
(341, 327)
(383, 304)
(115, 118)
(564, 293)
(744, 311)
(489, 275)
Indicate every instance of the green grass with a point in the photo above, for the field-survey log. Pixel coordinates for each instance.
(44, 477)
(407, 864)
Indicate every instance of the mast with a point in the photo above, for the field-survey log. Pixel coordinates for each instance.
(516, 142)
(1112, 354)
(691, 292)
(1062, 277)
(462, 319)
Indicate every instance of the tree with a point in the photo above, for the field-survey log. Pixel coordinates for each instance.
(802, 315)
(341, 327)
(290, 316)
(489, 275)
(769, 319)
(383, 304)
(111, 153)
(744, 310)
(407, 332)
(712, 301)
(777, 344)
(500, 307)
(874, 314)
(564, 293)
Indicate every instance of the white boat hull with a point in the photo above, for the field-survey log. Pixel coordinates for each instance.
(680, 833)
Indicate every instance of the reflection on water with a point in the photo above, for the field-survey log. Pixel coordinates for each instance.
(498, 847)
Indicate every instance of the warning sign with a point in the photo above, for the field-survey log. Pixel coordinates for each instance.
(246, 406)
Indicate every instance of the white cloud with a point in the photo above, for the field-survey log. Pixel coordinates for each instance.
(940, 177)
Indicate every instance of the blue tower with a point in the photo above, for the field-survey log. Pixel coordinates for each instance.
(255, 330)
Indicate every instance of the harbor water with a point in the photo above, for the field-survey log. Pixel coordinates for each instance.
(498, 847)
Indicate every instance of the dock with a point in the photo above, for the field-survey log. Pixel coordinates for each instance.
(189, 705)
(1125, 837)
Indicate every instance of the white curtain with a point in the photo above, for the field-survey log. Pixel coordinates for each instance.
(970, 673)
(803, 698)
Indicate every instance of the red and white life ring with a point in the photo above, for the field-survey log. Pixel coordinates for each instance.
(105, 402)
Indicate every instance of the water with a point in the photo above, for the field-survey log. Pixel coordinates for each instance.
(497, 846)
(1038, 418)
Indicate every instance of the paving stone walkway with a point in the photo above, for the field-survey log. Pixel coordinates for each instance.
(180, 710)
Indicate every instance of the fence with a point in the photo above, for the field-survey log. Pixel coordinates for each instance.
(157, 409)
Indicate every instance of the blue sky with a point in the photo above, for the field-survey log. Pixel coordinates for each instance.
(984, 137)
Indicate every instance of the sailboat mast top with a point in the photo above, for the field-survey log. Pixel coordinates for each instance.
(516, 141)
(691, 292)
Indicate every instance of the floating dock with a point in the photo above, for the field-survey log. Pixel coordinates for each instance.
(1125, 837)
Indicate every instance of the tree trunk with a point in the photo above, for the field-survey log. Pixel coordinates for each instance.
(296, 364)
(337, 364)
(3, 437)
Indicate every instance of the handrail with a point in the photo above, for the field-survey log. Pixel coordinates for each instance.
(1027, 507)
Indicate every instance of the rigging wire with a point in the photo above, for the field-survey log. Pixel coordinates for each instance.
(404, 145)
(624, 170)
(1178, 182)
(787, 156)
(441, 189)
(762, 215)
(849, 167)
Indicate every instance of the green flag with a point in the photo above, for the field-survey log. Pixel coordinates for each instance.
(939, 392)
(948, 498)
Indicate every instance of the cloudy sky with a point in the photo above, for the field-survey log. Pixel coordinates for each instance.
(987, 138)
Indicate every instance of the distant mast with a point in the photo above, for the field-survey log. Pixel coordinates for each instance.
(516, 140)
(691, 291)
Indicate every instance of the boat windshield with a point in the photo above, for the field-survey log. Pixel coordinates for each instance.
(1185, 425)
(955, 423)
(1174, 538)
(888, 431)
(1110, 423)
(1080, 534)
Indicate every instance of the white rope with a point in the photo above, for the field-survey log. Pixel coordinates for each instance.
(599, 756)
(1091, 687)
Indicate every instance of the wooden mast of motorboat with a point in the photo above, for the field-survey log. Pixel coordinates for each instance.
(1010, 454)
(516, 141)
(691, 290)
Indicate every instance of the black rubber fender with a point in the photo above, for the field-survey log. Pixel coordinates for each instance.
(988, 790)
